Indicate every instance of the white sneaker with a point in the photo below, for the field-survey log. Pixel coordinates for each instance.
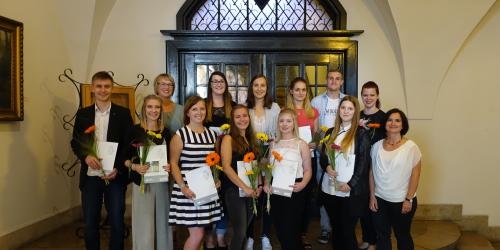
(249, 244)
(266, 243)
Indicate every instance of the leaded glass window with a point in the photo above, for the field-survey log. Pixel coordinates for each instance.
(291, 15)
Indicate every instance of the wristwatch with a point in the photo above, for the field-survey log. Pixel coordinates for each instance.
(410, 200)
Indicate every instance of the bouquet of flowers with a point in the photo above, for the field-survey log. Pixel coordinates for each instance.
(332, 151)
(212, 161)
(263, 145)
(253, 175)
(268, 174)
(143, 150)
(89, 146)
(320, 134)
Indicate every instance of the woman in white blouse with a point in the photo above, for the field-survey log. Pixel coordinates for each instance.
(263, 111)
(264, 118)
(394, 180)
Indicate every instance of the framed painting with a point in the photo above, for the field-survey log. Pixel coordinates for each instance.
(123, 96)
(11, 70)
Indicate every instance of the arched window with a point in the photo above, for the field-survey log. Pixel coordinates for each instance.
(274, 15)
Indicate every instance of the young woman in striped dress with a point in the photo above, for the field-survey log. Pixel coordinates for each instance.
(188, 149)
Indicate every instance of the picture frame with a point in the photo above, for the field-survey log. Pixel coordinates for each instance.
(123, 96)
(11, 70)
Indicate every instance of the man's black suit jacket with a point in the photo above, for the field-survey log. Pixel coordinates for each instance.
(120, 122)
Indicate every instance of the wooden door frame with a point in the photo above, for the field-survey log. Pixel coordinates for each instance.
(261, 42)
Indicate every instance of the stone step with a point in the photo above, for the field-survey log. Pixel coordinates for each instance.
(436, 235)
(473, 241)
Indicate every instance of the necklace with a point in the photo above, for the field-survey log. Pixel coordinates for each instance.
(393, 143)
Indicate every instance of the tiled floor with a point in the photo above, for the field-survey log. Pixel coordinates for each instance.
(67, 238)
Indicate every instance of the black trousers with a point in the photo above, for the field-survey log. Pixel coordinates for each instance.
(93, 193)
(264, 215)
(389, 216)
(342, 221)
(287, 214)
(368, 229)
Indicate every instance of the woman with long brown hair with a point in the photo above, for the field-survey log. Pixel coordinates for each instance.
(264, 119)
(240, 141)
(164, 85)
(189, 148)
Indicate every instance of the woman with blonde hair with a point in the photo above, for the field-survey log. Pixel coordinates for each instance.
(298, 99)
(164, 85)
(150, 207)
(344, 183)
(285, 211)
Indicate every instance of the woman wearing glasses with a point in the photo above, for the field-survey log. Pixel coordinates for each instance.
(172, 112)
(219, 101)
(219, 106)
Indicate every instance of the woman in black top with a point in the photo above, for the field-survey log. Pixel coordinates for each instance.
(240, 141)
(343, 193)
(219, 104)
(370, 116)
(219, 101)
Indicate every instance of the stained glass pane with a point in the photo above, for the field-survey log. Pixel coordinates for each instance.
(233, 15)
(206, 17)
(316, 17)
(276, 15)
(264, 19)
(290, 15)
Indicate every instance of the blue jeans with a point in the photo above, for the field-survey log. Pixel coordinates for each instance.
(93, 193)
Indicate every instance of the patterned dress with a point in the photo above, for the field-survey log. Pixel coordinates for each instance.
(183, 211)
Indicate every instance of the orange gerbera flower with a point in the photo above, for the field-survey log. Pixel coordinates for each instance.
(249, 157)
(90, 129)
(374, 125)
(277, 156)
(212, 159)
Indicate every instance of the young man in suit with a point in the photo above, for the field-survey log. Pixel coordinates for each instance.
(112, 123)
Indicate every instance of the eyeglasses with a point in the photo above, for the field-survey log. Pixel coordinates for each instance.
(166, 85)
(218, 82)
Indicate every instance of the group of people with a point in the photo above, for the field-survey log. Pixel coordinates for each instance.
(373, 178)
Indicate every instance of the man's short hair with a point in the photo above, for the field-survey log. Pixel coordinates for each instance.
(102, 75)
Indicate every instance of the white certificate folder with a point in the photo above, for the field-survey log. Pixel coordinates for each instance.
(201, 182)
(284, 174)
(106, 152)
(157, 158)
(243, 167)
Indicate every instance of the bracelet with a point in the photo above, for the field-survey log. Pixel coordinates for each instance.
(183, 185)
(409, 200)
